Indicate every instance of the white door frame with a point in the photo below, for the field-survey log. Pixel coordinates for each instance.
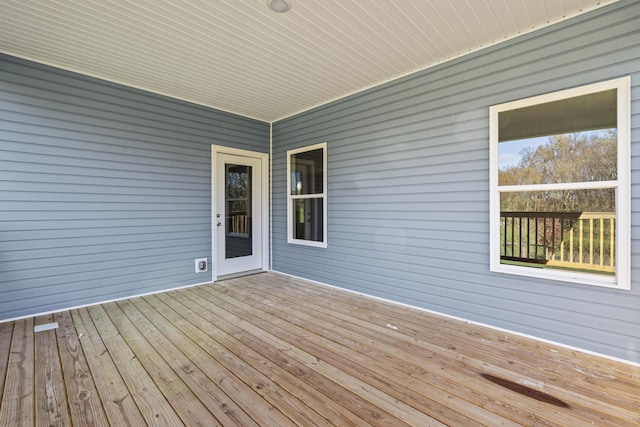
(264, 235)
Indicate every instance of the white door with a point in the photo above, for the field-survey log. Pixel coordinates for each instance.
(239, 213)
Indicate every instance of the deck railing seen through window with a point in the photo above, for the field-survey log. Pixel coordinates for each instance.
(571, 240)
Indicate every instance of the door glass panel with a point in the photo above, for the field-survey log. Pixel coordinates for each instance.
(238, 215)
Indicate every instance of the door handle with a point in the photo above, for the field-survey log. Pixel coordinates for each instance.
(219, 224)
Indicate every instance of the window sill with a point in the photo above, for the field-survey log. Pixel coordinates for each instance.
(605, 281)
(307, 243)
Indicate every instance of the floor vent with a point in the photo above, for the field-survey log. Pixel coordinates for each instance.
(45, 327)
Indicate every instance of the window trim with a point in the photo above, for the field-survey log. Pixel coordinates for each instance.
(622, 278)
(292, 197)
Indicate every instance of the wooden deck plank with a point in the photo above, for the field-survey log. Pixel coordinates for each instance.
(154, 407)
(568, 363)
(421, 339)
(18, 399)
(228, 350)
(383, 358)
(410, 370)
(197, 369)
(399, 412)
(6, 332)
(84, 402)
(265, 398)
(278, 355)
(427, 400)
(182, 399)
(524, 367)
(271, 350)
(117, 401)
(51, 407)
(231, 400)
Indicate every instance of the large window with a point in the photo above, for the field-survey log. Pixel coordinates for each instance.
(560, 197)
(307, 195)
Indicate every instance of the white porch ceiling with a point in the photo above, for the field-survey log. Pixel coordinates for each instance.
(239, 56)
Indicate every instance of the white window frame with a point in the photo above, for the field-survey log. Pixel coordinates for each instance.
(622, 278)
(292, 197)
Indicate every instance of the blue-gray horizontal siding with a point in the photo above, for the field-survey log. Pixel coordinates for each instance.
(409, 186)
(105, 191)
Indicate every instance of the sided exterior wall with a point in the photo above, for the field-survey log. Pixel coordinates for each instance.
(105, 191)
(408, 186)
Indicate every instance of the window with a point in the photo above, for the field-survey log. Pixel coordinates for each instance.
(307, 195)
(560, 192)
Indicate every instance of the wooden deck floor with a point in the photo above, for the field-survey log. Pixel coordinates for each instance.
(270, 350)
